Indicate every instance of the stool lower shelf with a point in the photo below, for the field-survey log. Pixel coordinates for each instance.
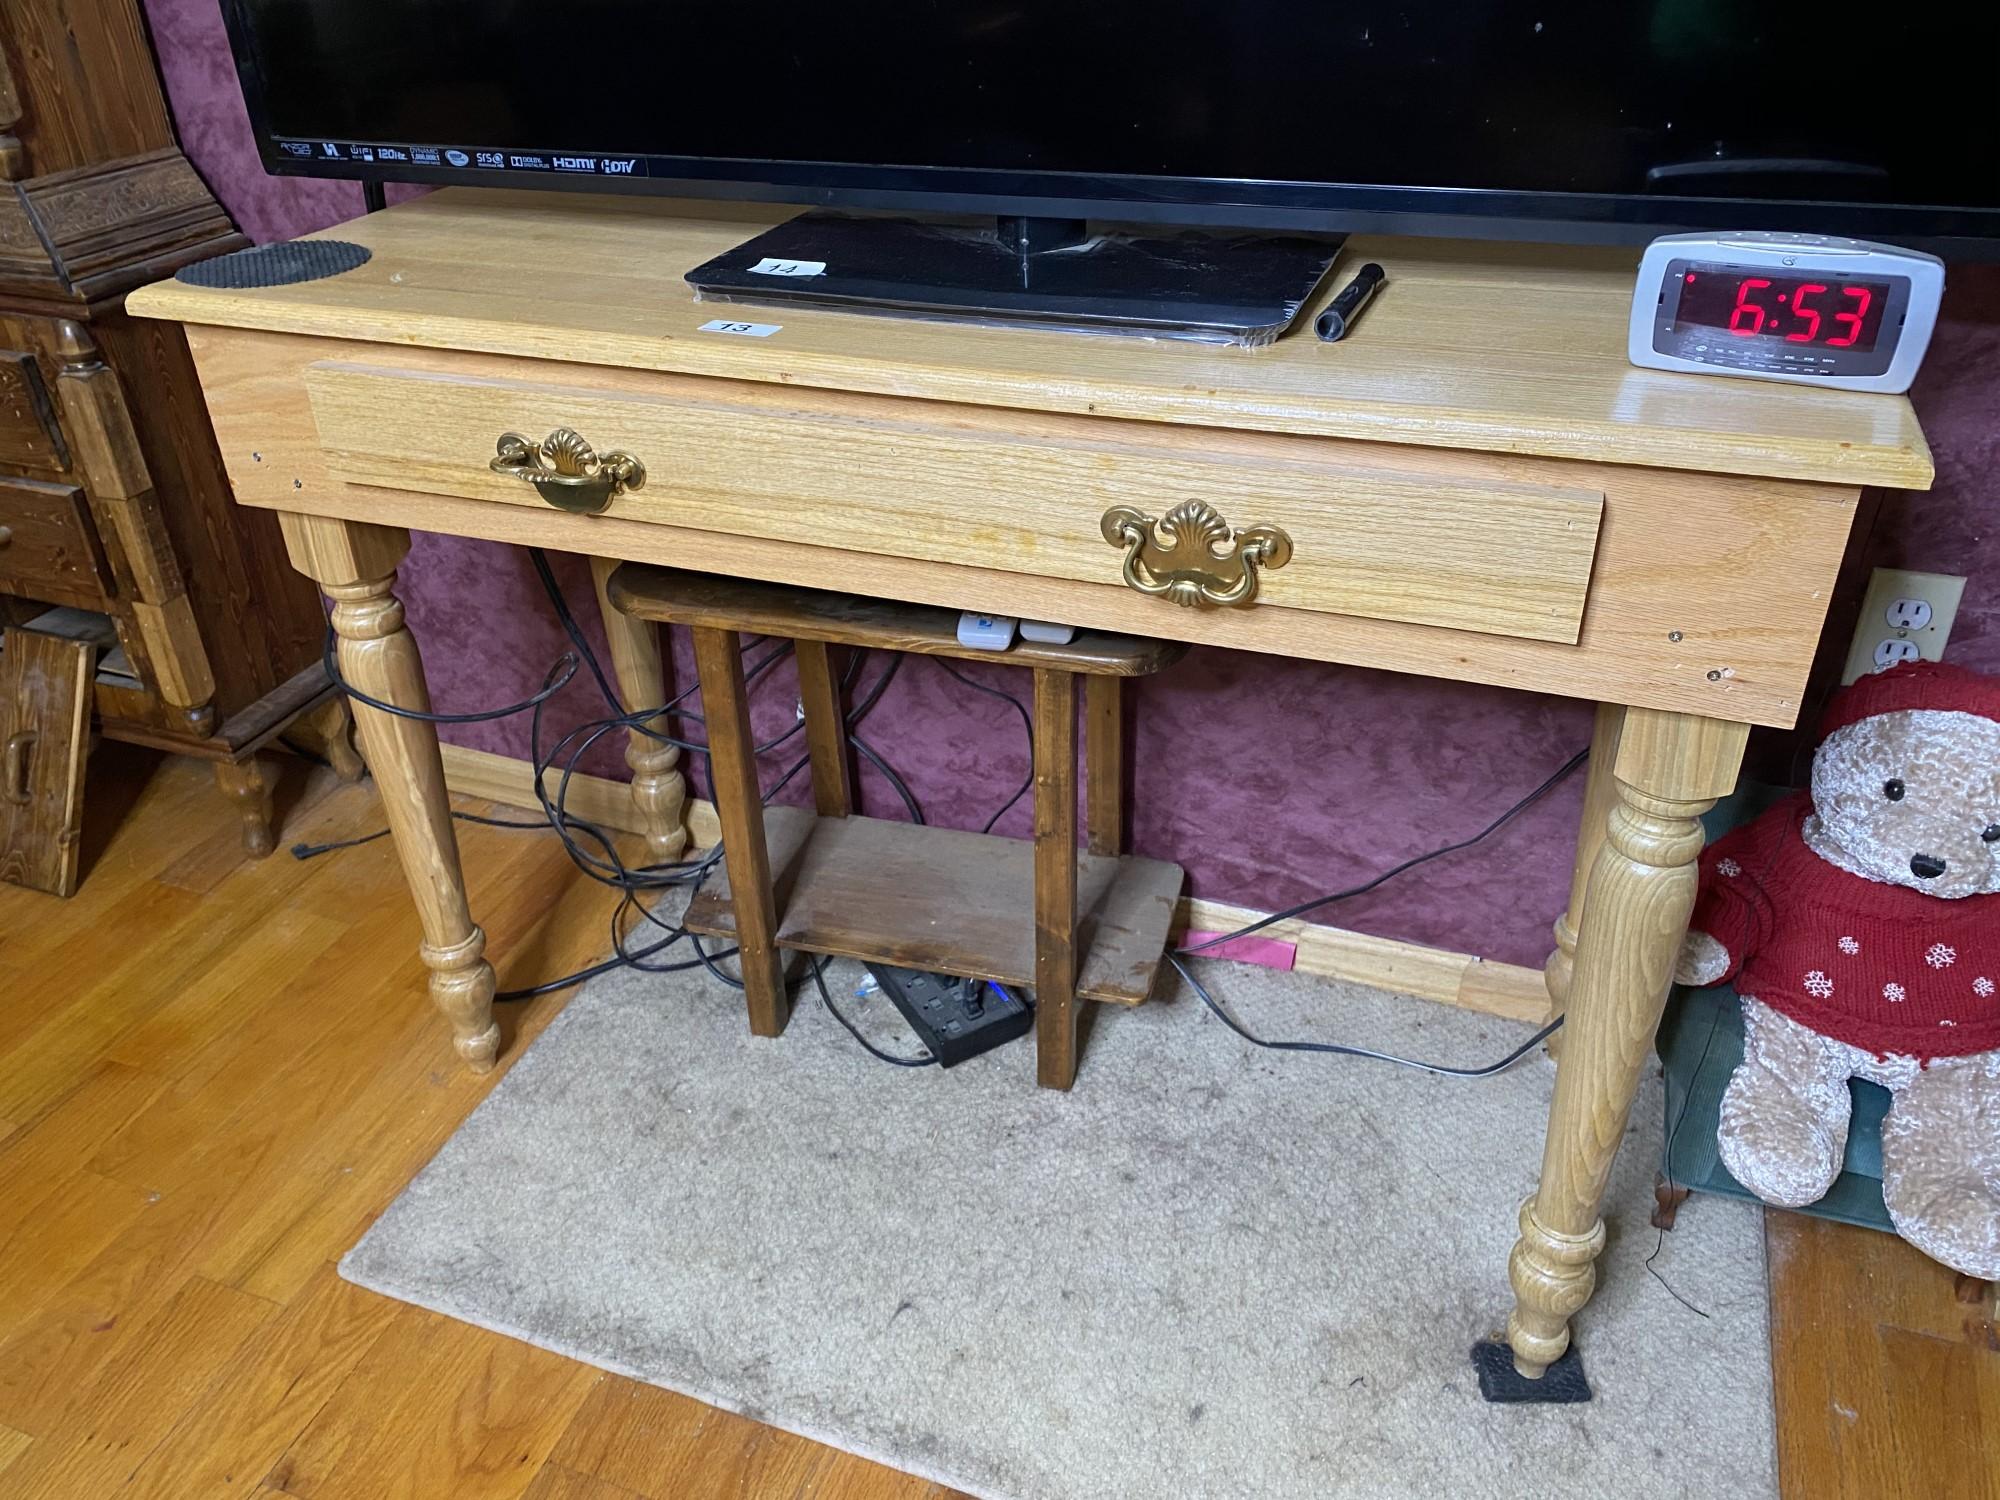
(954, 902)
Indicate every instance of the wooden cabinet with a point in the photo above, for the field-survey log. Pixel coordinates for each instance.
(113, 499)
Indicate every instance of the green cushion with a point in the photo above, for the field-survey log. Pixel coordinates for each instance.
(1700, 1044)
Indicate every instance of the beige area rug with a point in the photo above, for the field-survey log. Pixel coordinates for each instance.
(1208, 1272)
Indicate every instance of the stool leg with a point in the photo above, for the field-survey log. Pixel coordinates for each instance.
(1104, 764)
(1056, 1005)
(826, 730)
(718, 656)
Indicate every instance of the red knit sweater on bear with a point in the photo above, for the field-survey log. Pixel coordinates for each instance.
(1881, 967)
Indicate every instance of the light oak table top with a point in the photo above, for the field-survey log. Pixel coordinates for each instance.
(598, 280)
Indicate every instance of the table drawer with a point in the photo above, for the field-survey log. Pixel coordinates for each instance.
(928, 481)
(49, 549)
(29, 435)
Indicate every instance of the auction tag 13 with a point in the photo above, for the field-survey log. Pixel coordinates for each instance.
(770, 267)
(747, 330)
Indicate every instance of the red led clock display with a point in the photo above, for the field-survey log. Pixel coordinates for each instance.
(1824, 312)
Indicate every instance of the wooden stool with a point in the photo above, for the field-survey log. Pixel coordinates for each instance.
(1074, 928)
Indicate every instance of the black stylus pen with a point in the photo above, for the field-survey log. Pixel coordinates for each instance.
(1338, 319)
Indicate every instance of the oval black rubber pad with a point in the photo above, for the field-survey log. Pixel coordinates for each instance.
(282, 264)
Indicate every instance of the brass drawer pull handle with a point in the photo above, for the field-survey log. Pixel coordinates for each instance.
(566, 471)
(1192, 555)
(15, 774)
(6, 535)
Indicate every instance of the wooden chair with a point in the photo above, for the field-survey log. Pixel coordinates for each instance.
(1034, 913)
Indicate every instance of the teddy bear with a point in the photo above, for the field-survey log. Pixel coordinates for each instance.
(1860, 922)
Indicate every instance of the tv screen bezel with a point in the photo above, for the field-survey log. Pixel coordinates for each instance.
(1951, 231)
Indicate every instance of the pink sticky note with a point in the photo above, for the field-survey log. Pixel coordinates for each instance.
(1269, 952)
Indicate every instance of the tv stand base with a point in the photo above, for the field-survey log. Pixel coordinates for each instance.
(1220, 287)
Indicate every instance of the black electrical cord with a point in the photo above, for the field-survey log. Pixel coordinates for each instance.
(546, 574)
(1486, 1071)
(310, 757)
(707, 961)
(1687, 1099)
(609, 868)
(1027, 728)
(1555, 779)
(901, 787)
(554, 682)
(603, 863)
(826, 999)
(313, 851)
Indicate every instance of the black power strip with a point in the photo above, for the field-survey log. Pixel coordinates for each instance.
(955, 1018)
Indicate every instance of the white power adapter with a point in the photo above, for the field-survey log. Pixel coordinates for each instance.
(986, 632)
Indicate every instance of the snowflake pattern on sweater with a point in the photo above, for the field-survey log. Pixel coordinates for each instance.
(1880, 967)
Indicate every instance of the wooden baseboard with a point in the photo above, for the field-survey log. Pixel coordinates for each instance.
(502, 778)
(1461, 979)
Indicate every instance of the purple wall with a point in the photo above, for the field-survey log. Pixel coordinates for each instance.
(1270, 780)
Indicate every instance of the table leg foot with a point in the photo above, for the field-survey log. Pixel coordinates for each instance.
(248, 786)
(462, 989)
(1553, 1276)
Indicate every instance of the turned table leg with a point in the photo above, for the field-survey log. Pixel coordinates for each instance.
(659, 791)
(1056, 1005)
(355, 565)
(1599, 792)
(248, 787)
(1668, 770)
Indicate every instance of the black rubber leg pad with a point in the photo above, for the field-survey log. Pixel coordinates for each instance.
(1499, 1381)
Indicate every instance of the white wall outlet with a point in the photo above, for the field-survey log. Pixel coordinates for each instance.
(1910, 614)
(1904, 617)
(1893, 649)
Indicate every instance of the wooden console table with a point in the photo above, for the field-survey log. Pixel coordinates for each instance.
(1475, 486)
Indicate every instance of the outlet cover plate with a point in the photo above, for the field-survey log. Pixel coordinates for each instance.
(1893, 595)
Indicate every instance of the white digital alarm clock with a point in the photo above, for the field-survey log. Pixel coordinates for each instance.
(1801, 307)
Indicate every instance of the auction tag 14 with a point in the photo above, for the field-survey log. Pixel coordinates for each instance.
(769, 267)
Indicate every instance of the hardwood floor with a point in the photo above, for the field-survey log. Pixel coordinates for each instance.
(214, 1073)
(1886, 1382)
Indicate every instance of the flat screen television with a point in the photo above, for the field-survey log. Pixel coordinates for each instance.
(1580, 120)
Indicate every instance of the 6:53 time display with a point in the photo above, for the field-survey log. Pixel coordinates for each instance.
(1811, 309)
(1805, 310)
